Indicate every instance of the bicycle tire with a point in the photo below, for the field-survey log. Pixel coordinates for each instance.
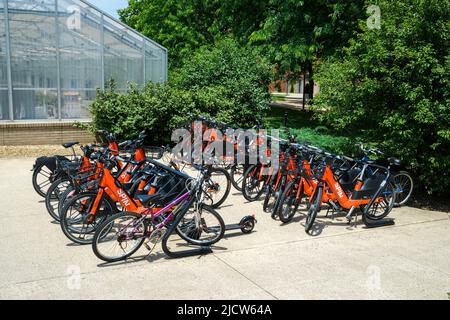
(220, 171)
(70, 232)
(53, 196)
(101, 230)
(277, 196)
(400, 199)
(68, 194)
(246, 185)
(269, 192)
(387, 208)
(40, 187)
(192, 236)
(314, 209)
(288, 203)
(237, 177)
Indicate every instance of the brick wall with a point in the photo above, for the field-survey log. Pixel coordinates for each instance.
(41, 133)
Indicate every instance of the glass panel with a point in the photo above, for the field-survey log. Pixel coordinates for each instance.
(75, 103)
(153, 66)
(4, 107)
(80, 46)
(35, 104)
(3, 74)
(33, 43)
(153, 63)
(123, 55)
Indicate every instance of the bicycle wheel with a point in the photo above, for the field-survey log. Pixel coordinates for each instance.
(277, 196)
(77, 223)
(65, 196)
(237, 176)
(404, 186)
(53, 196)
(267, 204)
(288, 203)
(313, 209)
(217, 187)
(119, 236)
(380, 209)
(252, 185)
(202, 226)
(42, 179)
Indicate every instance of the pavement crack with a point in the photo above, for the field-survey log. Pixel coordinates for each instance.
(243, 275)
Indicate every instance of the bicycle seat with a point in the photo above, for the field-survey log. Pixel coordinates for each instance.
(147, 199)
(68, 145)
(395, 162)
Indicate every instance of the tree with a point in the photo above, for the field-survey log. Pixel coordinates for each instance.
(290, 33)
(294, 34)
(236, 74)
(182, 26)
(392, 86)
(226, 82)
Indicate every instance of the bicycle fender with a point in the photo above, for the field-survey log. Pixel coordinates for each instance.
(49, 162)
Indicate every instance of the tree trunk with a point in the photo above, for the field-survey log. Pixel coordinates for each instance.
(304, 93)
(311, 81)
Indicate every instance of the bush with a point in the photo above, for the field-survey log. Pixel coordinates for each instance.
(226, 82)
(391, 87)
(236, 74)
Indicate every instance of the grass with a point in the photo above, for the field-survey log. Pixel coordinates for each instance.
(278, 97)
(308, 130)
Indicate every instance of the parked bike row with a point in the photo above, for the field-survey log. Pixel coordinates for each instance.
(322, 181)
(119, 197)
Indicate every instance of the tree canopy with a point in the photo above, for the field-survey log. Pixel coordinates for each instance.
(392, 87)
(290, 33)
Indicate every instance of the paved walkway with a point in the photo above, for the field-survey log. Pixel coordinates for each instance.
(410, 260)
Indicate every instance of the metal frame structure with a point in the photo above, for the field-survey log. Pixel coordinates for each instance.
(94, 18)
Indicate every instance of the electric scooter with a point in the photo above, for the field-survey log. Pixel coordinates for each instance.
(246, 225)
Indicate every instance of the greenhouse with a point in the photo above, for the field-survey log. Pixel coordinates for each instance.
(55, 54)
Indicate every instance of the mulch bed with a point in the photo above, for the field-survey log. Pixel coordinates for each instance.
(20, 152)
(432, 203)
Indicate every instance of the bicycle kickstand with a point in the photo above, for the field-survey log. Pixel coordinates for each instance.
(350, 217)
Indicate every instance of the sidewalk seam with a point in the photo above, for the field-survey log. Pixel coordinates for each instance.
(243, 275)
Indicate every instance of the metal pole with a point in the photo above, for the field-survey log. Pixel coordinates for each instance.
(8, 63)
(166, 65)
(58, 62)
(144, 64)
(103, 50)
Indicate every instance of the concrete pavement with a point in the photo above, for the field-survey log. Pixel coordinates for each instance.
(410, 260)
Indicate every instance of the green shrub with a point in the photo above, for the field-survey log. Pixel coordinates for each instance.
(155, 108)
(391, 86)
(226, 82)
(238, 77)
